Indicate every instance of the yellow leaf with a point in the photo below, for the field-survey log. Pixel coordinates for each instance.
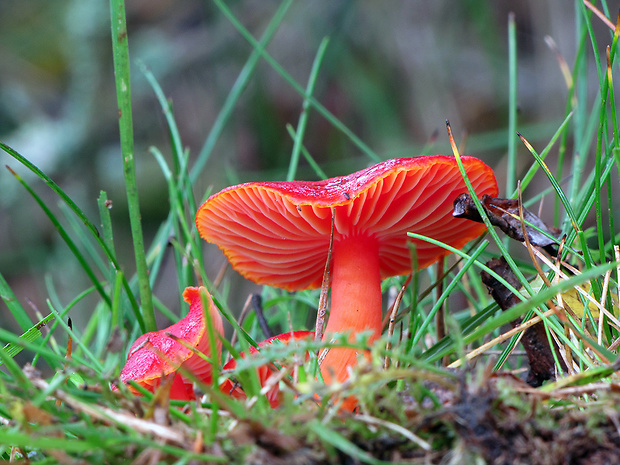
(572, 299)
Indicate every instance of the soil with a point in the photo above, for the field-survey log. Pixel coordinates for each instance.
(500, 422)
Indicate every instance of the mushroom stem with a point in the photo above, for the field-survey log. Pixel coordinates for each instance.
(355, 300)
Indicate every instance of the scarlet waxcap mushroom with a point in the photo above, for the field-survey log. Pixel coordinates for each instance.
(278, 233)
(155, 356)
(264, 371)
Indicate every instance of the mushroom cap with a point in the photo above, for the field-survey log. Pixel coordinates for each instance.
(155, 355)
(277, 233)
(264, 371)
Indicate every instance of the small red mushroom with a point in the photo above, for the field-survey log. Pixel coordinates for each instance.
(278, 233)
(155, 356)
(264, 371)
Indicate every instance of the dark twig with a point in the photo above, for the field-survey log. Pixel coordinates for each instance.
(327, 277)
(534, 340)
(257, 305)
(504, 213)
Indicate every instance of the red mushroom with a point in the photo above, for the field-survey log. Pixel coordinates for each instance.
(155, 356)
(277, 233)
(264, 371)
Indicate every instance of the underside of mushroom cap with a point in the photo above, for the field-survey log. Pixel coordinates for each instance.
(277, 233)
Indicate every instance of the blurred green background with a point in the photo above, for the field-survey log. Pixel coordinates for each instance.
(394, 71)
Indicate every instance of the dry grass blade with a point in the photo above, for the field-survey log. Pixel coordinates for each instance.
(600, 15)
(120, 418)
(394, 427)
(501, 338)
(68, 352)
(392, 319)
(455, 149)
(526, 239)
(591, 388)
(569, 392)
(617, 255)
(274, 380)
(612, 318)
(564, 68)
(218, 278)
(244, 313)
(566, 353)
(578, 331)
(601, 318)
(322, 310)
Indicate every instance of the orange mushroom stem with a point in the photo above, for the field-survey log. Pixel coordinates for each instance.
(355, 300)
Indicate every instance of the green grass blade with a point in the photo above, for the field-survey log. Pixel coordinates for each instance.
(473, 258)
(313, 164)
(534, 299)
(31, 335)
(511, 173)
(539, 299)
(63, 234)
(296, 86)
(76, 339)
(19, 313)
(567, 206)
(19, 439)
(82, 240)
(535, 166)
(180, 156)
(120, 52)
(303, 118)
(446, 346)
(166, 105)
(39, 349)
(341, 443)
(500, 245)
(106, 223)
(491, 324)
(237, 89)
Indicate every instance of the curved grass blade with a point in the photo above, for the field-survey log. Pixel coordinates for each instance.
(569, 211)
(16, 308)
(535, 166)
(500, 245)
(74, 249)
(83, 218)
